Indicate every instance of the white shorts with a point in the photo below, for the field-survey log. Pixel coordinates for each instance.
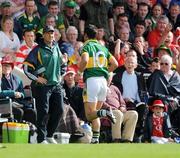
(95, 90)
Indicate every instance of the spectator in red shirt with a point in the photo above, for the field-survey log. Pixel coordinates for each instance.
(157, 125)
(156, 37)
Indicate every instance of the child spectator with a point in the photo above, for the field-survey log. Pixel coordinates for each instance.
(157, 125)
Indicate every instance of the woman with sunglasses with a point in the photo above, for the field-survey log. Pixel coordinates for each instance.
(164, 81)
(164, 84)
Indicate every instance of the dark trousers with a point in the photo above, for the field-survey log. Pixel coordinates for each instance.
(49, 105)
(26, 114)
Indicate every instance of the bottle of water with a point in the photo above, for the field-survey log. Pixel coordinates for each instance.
(177, 139)
(86, 127)
(88, 133)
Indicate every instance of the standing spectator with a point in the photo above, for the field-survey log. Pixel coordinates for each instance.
(100, 9)
(95, 62)
(28, 20)
(42, 7)
(43, 67)
(27, 45)
(9, 41)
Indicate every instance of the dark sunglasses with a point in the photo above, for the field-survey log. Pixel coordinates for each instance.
(164, 64)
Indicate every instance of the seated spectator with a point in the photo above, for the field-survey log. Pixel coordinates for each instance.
(157, 36)
(73, 93)
(28, 20)
(140, 29)
(156, 12)
(175, 48)
(141, 15)
(12, 87)
(165, 5)
(157, 127)
(49, 20)
(27, 45)
(131, 85)
(53, 9)
(69, 14)
(120, 51)
(173, 15)
(100, 35)
(125, 120)
(163, 50)
(118, 8)
(8, 10)
(143, 59)
(164, 82)
(72, 35)
(9, 41)
(155, 65)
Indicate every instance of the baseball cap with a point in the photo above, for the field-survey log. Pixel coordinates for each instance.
(69, 70)
(5, 4)
(70, 4)
(48, 28)
(7, 60)
(158, 103)
(163, 47)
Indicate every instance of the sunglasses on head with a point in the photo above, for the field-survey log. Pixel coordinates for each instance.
(164, 64)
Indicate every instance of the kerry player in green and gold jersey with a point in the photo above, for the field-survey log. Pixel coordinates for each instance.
(96, 63)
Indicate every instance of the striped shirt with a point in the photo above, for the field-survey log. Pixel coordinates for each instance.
(22, 53)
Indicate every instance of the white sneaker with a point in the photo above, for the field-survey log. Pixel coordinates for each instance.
(51, 140)
(44, 142)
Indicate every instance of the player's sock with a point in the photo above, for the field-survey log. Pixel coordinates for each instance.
(95, 137)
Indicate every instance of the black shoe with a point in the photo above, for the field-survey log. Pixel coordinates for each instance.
(111, 116)
(125, 141)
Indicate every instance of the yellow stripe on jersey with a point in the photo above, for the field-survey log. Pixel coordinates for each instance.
(30, 65)
(92, 63)
(39, 58)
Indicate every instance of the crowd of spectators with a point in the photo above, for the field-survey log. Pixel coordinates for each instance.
(143, 36)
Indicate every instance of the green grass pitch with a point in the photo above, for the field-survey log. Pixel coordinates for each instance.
(90, 151)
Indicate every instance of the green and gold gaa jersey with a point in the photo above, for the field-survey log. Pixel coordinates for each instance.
(98, 59)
